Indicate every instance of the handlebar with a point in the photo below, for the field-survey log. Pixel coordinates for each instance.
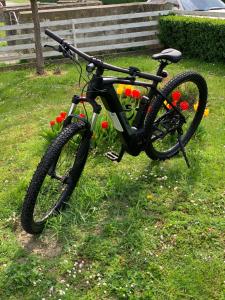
(98, 63)
(54, 36)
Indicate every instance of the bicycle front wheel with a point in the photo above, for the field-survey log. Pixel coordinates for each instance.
(55, 177)
(165, 126)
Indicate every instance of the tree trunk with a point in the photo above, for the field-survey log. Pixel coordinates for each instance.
(37, 38)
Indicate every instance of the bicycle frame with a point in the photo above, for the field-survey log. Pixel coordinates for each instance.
(132, 137)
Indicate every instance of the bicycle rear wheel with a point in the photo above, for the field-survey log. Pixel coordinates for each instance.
(55, 177)
(164, 125)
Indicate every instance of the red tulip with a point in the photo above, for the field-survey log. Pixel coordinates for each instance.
(128, 92)
(184, 105)
(82, 115)
(59, 119)
(63, 114)
(176, 95)
(136, 94)
(52, 123)
(105, 124)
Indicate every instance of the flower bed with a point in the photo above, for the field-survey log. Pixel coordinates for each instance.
(104, 133)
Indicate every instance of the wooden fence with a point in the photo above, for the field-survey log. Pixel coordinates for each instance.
(206, 14)
(96, 34)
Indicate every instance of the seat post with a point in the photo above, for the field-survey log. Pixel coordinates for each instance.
(163, 64)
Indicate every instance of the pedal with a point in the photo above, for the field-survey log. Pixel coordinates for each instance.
(113, 156)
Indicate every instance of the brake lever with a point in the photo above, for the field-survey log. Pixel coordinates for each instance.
(60, 48)
(56, 48)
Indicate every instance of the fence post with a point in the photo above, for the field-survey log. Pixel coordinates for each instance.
(74, 36)
(37, 38)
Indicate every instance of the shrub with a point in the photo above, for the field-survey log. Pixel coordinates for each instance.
(195, 37)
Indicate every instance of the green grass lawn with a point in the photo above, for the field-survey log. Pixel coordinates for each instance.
(135, 230)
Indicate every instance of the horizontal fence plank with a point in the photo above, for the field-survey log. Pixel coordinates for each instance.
(17, 26)
(122, 36)
(116, 27)
(17, 37)
(31, 25)
(16, 47)
(213, 14)
(17, 56)
(119, 46)
(120, 17)
(115, 37)
(109, 47)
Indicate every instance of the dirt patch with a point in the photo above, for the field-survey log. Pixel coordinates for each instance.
(45, 245)
(55, 72)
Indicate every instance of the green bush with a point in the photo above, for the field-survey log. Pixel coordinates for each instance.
(195, 37)
(120, 1)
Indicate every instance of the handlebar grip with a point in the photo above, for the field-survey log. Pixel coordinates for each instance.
(54, 36)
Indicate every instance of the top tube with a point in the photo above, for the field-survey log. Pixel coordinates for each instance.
(98, 62)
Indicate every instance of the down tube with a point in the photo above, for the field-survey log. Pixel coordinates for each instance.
(120, 122)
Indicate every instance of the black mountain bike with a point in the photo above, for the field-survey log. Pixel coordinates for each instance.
(164, 122)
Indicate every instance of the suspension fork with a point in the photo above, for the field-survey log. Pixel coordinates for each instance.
(75, 101)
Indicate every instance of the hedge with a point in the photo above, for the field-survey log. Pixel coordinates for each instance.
(195, 37)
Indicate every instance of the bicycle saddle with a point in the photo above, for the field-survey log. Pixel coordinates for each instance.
(170, 54)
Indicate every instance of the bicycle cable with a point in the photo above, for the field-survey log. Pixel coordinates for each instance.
(80, 72)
